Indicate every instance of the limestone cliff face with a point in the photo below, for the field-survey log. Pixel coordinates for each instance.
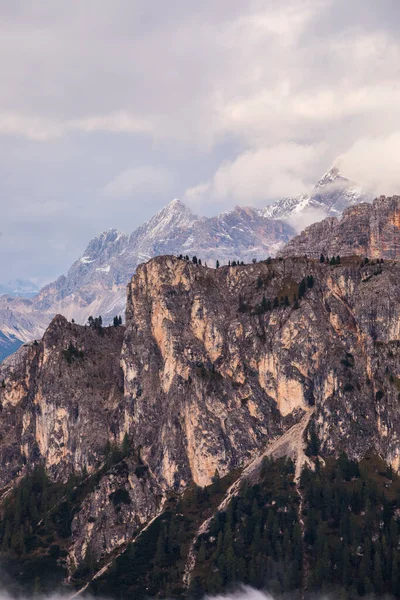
(60, 400)
(371, 230)
(201, 380)
(208, 385)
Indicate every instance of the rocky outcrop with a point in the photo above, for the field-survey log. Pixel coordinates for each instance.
(214, 365)
(370, 230)
(227, 380)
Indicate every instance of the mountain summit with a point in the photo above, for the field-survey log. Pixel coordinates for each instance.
(330, 197)
(95, 283)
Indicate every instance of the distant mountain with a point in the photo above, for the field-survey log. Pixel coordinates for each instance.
(95, 283)
(331, 196)
(19, 288)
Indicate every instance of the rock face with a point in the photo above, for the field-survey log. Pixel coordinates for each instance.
(371, 230)
(202, 379)
(95, 283)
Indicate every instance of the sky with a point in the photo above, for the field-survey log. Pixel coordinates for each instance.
(109, 109)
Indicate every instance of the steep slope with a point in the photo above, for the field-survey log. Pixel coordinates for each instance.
(369, 230)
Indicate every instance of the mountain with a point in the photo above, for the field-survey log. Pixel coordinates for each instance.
(19, 288)
(201, 445)
(330, 197)
(20, 322)
(95, 283)
(369, 230)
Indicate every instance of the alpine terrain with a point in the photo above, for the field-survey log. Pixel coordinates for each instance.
(96, 282)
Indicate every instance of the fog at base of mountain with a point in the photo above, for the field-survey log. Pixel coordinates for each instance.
(241, 593)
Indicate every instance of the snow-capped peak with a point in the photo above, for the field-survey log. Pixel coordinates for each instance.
(334, 177)
(176, 203)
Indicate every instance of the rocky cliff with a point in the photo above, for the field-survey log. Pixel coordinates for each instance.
(213, 368)
(369, 230)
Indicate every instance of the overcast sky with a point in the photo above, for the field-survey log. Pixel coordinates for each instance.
(111, 108)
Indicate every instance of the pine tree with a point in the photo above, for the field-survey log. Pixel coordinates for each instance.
(264, 305)
(302, 288)
(125, 445)
(217, 264)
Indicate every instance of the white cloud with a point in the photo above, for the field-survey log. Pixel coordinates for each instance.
(145, 180)
(374, 163)
(42, 129)
(259, 176)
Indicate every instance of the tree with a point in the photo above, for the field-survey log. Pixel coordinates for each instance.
(302, 288)
(217, 264)
(254, 260)
(125, 445)
(194, 260)
(216, 481)
(313, 444)
(264, 305)
(322, 258)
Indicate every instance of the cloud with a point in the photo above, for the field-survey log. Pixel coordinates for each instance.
(308, 216)
(241, 593)
(374, 163)
(144, 179)
(245, 101)
(42, 129)
(258, 176)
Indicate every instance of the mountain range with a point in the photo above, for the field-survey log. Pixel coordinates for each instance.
(95, 284)
(19, 288)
